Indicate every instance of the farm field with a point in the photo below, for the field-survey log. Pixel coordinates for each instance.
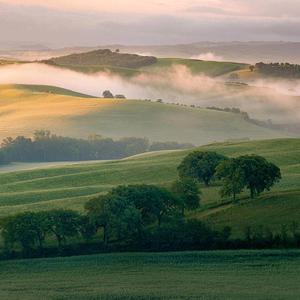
(71, 186)
(214, 275)
(26, 108)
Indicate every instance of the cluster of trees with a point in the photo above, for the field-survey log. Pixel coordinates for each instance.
(109, 95)
(279, 69)
(45, 146)
(30, 229)
(234, 110)
(136, 216)
(287, 235)
(252, 172)
(150, 217)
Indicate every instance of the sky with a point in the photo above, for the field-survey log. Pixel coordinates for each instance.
(63, 23)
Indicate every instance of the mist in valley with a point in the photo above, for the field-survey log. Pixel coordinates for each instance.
(278, 100)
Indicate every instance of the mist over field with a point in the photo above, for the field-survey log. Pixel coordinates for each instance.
(264, 99)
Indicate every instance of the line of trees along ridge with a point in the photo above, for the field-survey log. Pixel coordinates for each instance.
(45, 146)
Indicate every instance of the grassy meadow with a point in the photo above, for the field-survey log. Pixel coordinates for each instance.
(71, 186)
(209, 68)
(130, 65)
(211, 275)
(26, 108)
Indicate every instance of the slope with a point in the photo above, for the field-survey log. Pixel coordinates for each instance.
(24, 109)
(71, 186)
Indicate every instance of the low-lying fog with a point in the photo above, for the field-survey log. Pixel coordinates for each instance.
(265, 99)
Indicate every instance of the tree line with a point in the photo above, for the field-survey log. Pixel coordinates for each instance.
(149, 217)
(45, 147)
(279, 69)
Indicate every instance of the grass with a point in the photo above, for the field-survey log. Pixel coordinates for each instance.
(211, 275)
(71, 186)
(210, 68)
(197, 67)
(130, 65)
(26, 108)
(43, 89)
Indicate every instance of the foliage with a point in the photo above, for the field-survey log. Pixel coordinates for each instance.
(45, 146)
(63, 224)
(126, 210)
(259, 174)
(29, 229)
(107, 94)
(286, 70)
(200, 165)
(187, 190)
(232, 175)
(250, 171)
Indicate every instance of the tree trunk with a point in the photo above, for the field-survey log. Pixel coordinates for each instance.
(159, 220)
(182, 210)
(105, 234)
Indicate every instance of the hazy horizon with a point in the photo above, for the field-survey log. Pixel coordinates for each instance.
(96, 22)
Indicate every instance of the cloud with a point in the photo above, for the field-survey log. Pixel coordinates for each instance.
(265, 99)
(95, 22)
(210, 56)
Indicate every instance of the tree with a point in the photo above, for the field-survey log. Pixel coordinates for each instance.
(42, 135)
(126, 210)
(200, 166)
(233, 177)
(251, 68)
(107, 94)
(187, 190)
(250, 171)
(28, 229)
(63, 224)
(259, 174)
(115, 214)
(98, 212)
(152, 201)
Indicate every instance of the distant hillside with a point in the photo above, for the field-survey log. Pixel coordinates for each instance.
(104, 57)
(247, 52)
(25, 109)
(132, 64)
(34, 89)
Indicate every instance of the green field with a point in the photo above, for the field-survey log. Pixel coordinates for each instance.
(72, 185)
(209, 68)
(26, 108)
(232, 275)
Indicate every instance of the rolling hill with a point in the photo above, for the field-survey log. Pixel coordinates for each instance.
(26, 108)
(72, 185)
(133, 64)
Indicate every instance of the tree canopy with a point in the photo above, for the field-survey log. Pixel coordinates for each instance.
(250, 171)
(188, 192)
(200, 166)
